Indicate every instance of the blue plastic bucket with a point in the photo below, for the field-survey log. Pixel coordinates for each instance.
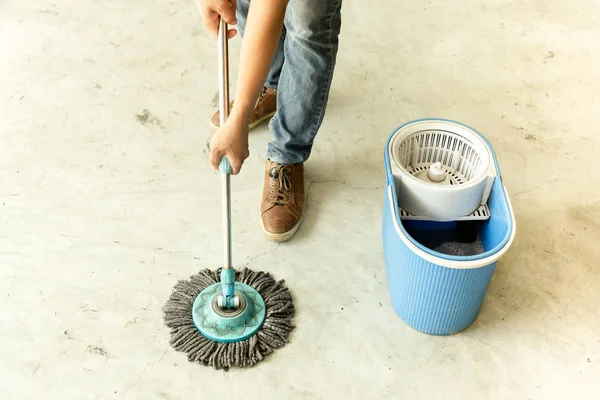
(432, 292)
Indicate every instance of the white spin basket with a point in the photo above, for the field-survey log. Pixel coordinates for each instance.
(443, 171)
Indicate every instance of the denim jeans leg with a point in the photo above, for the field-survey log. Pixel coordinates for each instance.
(310, 49)
(275, 70)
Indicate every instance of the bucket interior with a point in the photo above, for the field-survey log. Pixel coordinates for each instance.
(466, 238)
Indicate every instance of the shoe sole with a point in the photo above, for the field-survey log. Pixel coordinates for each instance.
(282, 237)
(253, 124)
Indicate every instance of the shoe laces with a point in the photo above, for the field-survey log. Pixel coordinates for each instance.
(280, 185)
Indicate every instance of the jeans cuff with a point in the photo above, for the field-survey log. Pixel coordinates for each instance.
(276, 158)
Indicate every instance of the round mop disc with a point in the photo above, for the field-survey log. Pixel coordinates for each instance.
(228, 325)
(242, 350)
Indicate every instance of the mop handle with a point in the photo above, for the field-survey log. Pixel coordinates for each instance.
(223, 50)
(224, 166)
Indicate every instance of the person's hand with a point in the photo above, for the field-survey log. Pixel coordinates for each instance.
(231, 141)
(212, 10)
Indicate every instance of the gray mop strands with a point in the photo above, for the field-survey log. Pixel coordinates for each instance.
(273, 334)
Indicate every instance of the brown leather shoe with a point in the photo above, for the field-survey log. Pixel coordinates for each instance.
(265, 109)
(282, 204)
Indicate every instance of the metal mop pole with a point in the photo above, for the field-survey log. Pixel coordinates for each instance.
(227, 274)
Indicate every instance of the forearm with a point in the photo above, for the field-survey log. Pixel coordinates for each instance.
(261, 37)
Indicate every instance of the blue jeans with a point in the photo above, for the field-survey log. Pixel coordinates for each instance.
(301, 72)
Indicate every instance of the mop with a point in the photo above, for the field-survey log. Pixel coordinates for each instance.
(226, 318)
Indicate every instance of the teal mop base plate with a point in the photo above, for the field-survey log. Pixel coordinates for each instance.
(228, 325)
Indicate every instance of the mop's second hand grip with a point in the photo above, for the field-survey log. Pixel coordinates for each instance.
(225, 166)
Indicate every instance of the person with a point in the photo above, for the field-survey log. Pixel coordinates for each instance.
(287, 58)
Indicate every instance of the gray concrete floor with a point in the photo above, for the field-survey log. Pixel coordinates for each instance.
(107, 200)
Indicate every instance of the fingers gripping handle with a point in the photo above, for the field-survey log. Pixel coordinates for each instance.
(224, 165)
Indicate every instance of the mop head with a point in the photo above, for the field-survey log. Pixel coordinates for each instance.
(272, 335)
